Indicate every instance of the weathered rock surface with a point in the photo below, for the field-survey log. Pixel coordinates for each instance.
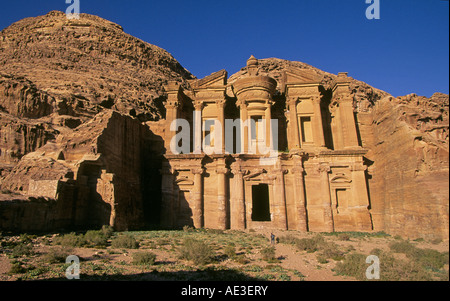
(407, 138)
(94, 174)
(78, 67)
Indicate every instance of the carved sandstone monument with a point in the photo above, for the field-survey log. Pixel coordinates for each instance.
(90, 116)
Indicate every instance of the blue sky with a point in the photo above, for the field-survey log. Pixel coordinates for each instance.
(405, 51)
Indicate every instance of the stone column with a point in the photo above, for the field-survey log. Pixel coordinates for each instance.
(280, 198)
(238, 205)
(348, 122)
(299, 195)
(167, 195)
(319, 138)
(221, 120)
(244, 130)
(294, 139)
(268, 117)
(326, 194)
(197, 210)
(221, 197)
(360, 199)
(197, 131)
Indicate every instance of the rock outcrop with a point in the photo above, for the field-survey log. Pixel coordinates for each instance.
(407, 138)
(104, 172)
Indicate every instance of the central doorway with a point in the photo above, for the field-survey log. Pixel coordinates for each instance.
(260, 203)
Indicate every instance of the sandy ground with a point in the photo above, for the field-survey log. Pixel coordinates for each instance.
(290, 258)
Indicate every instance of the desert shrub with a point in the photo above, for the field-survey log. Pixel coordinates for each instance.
(95, 238)
(288, 239)
(331, 251)
(70, 240)
(124, 241)
(402, 246)
(107, 231)
(391, 269)
(343, 236)
(17, 268)
(26, 238)
(57, 255)
(197, 251)
(188, 228)
(268, 254)
(427, 258)
(22, 250)
(241, 258)
(230, 251)
(144, 258)
(311, 245)
(353, 265)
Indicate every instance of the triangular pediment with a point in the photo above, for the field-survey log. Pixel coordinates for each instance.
(297, 75)
(216, 79)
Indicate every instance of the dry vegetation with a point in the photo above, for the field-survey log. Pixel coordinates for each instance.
(207, 254)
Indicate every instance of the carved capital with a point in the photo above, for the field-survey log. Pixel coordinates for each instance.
(198, 171)
(241, 103)
(221, 102)
(280, 170)
(358, 167)
(324, 168)
(222, 170)
(198, 105)
(297, 170)
(172, 104)
(292, 100)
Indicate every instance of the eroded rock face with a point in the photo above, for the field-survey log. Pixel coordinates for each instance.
(78, 67)
(409, 150)
(94, 174)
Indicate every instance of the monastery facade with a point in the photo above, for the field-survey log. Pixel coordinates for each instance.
(316, 181)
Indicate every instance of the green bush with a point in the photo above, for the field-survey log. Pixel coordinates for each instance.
(331, 251)
(391, 269)
(268, 254)
(70, 240)
(427, 258)
(124, 241)
(196, 251)
(146, 258)
(230, 251)
(17, 268)
(95, 238)
(311, 245)
(57, 255)
(22, 250)
(107, 231)
(353, 265)
(288, 239)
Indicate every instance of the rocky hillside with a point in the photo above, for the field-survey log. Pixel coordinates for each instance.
(56, 74)
(49, 64)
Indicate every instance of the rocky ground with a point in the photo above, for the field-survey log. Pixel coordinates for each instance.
(221, 255)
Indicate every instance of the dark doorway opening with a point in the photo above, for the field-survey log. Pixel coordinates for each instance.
(261, 205)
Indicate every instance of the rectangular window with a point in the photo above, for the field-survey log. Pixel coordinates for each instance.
(306, 129)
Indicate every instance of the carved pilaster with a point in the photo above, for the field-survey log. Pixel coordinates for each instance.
(197, 191)
(324, 170)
